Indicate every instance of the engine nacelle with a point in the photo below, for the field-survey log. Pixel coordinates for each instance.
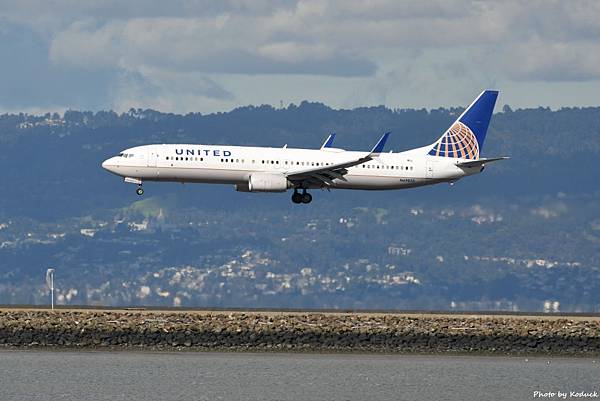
(267, 182)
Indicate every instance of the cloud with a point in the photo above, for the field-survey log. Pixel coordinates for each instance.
(210, 45)
(336, 37)
(197, 48)
(557, 61)
(28, 80)
(331, 37)
(155, 89)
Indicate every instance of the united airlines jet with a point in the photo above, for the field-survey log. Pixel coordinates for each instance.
(456, 154)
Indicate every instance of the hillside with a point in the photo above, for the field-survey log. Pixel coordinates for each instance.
(523, 235)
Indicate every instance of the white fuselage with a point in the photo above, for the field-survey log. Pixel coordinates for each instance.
(235, 164)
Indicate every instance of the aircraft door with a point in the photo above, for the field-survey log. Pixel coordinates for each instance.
(152, 158)
(430, 168)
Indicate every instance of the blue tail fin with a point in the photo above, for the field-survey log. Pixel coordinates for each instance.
(464, 139)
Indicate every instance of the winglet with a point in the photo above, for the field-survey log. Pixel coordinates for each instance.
(329, 141)
(380, 144)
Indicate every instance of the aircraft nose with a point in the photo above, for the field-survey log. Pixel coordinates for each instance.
(108, 165)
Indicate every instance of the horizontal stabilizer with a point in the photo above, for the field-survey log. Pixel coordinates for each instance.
(481, 162)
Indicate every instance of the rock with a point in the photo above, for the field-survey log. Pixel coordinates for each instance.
(312, 331)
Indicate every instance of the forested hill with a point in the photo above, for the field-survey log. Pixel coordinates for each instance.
(524, 234)
(54, 160)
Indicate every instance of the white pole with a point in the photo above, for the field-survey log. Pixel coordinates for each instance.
(50, 283)
(52, 288)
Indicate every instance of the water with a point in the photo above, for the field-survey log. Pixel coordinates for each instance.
(66, 375)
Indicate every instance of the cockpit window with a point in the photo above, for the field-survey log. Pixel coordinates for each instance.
(120, 155)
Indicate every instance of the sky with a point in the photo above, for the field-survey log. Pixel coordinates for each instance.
(207, 56)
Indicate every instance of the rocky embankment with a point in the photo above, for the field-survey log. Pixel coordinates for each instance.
(314, 332)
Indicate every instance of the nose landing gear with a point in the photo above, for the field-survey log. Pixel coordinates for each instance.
(138, 182)
(303, 197)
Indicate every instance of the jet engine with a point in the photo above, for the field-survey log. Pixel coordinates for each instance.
(267, 182)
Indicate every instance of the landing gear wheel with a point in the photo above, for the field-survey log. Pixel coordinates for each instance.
(306, 197)
(296, 197)
(139, 191)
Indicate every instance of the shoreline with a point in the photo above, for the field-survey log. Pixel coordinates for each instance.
(256, 351)
(298, 332)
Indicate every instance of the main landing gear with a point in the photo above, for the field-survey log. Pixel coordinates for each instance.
(139, 190)
(303, 197)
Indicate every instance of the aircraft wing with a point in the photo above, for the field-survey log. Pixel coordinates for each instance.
(481, 161)
(326, 174)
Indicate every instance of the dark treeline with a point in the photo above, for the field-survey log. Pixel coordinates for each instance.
(54, 160)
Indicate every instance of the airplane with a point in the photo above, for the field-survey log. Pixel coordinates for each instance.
(456, 154)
